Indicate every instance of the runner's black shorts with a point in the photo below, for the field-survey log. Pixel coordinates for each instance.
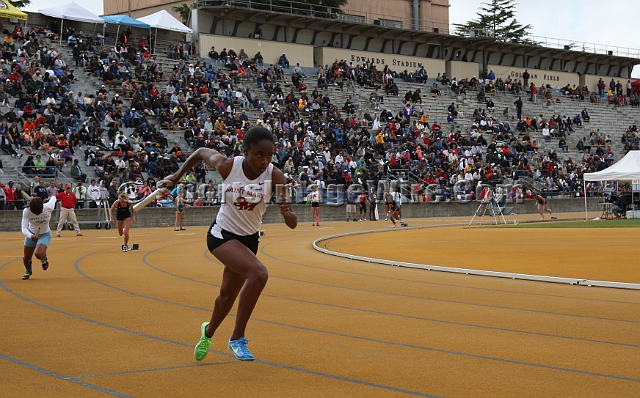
(213, 242)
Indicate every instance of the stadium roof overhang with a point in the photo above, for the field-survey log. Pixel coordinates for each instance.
(323, 24)
(546, 52)
(420, 37)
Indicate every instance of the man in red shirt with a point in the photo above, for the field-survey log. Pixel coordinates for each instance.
(68, 201)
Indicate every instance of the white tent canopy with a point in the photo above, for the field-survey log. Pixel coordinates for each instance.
(626, 169)
(71, 11)
(163, 20)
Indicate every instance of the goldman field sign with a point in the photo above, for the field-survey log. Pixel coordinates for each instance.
(537, 76)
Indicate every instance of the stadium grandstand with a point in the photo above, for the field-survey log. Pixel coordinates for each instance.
(360, 96)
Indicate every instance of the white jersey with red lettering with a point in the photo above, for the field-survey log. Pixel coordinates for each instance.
(244, 201)
(31, 222)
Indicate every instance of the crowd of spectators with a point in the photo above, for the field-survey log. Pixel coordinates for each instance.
(318, 140)
(81, 134)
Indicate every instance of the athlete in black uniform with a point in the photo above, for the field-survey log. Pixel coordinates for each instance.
(124, 215)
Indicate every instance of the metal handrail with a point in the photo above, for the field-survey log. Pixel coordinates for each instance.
(583, 46)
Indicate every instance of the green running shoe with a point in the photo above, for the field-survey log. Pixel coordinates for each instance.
(202, 348)
(26, 275)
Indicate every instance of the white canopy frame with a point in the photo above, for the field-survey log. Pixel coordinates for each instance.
(163, 20)
(73, 12)
(626, 169)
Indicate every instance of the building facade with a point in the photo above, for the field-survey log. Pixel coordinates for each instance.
(404, 34)
(431, 14)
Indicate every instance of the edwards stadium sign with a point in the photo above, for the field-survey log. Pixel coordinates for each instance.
(386, 61)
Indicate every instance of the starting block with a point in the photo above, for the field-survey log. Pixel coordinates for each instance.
(404, 224)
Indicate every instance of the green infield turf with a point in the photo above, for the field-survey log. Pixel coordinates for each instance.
(575, 224)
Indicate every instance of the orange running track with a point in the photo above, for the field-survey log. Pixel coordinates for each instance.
(101, 322)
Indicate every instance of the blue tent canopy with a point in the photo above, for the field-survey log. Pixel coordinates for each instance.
(125, 20)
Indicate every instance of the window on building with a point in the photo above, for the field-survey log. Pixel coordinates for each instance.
(388, 23)
(352, 18)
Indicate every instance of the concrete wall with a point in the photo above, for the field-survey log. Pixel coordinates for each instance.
(538, 76)
(204, 22)
(436, 11)
(398, 63)
(199, 216)
(461, 70)
(271, 50)
(591, 81)
(433, 13)
(141, 8)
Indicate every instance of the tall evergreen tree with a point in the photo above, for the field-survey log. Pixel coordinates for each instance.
(496, 19)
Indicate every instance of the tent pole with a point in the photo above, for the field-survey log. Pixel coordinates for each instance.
(586, 214)
(61, 29)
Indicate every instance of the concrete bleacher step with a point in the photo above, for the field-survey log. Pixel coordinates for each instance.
(608, 119)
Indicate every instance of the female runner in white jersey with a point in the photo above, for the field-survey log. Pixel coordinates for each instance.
(248, 183)
(36, 231)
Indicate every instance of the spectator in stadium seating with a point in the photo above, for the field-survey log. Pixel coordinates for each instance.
(562, 144)
(283, 61)
(297, 69)
(585, 115)
(451, 120)
(259, 59)
(6, 144)
(76, 172)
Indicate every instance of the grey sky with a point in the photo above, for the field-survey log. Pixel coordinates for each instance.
(574, 20)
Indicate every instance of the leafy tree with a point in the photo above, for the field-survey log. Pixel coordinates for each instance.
(184, 11)
(20, 3)
(496, 19)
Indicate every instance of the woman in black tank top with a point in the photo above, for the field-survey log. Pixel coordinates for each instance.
(124, 215)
